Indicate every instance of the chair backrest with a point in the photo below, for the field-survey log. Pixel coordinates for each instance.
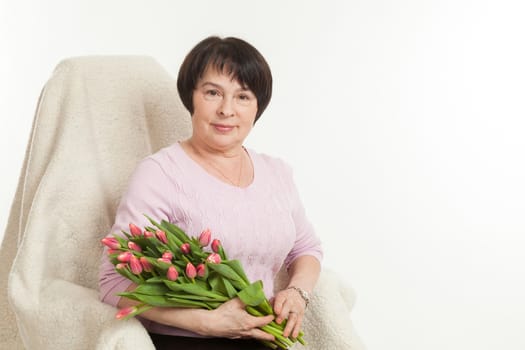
(96, 118)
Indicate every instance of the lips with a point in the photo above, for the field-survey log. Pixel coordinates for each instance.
(223, 127)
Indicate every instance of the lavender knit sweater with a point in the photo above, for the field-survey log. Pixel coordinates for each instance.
(263, 225)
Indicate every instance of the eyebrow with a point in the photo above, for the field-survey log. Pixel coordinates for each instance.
(220, 86)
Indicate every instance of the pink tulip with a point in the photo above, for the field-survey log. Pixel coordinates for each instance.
(134, 246)
(111, 242)
(161, 235)
(146, 265)
(135, 230)
(120, 266)
(172, 273)
(167, 255)
(214, 258)
(162, 260)
(125, 312)
(191, 272)
(148, 234)
(185, 248)
(135, 265)
(204, 238)
(124, 257)
(216, 245)
(201, 270)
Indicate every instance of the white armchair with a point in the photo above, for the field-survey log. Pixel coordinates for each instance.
(96, 118)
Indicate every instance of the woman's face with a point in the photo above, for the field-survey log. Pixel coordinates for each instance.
(223, 111)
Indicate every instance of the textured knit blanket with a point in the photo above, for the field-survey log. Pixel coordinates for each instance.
(96, 118)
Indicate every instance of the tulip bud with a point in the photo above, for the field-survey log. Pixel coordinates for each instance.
(172, 273)
(162, 260)
(204, 238)
(135, 230)
(214, 258)
(216, 245)
(201, 270)
(185, 248)
(125, 312)
(135, 265)
(148, 234)
(111, 242)
(120, 266)
(167, 255)
(124, 257)
(134, 246)
(161, 235)
(146, 265)
(191, 272)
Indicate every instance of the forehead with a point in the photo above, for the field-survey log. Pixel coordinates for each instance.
(224, 78)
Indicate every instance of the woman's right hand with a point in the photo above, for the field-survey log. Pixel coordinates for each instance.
(231, 320)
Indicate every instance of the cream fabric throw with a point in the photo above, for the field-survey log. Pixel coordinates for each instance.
(96, 118)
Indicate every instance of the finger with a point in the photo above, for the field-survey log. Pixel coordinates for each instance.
(262, 335)
(292, 319)
(278, 303)
(284, 314)
(297, 327)
(261, 320)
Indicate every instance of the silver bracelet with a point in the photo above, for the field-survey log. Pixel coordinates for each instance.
(304, 294)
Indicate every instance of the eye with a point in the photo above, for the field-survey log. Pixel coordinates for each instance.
(212, 94)
(245, 98)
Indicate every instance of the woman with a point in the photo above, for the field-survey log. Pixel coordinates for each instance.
(248, 200)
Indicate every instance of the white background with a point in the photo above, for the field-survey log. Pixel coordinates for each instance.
(404, 122)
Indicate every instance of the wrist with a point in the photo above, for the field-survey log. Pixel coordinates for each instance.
(303, 293)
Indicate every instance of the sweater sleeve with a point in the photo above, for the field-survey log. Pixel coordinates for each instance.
(149, 192)
(306, 240)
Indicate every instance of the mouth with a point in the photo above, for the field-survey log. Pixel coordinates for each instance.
(223, 127)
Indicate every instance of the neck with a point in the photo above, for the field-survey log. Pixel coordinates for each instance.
(228, 166)
(203, 150)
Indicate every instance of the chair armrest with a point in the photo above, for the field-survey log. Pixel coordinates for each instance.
(327, 323)
(70, 316)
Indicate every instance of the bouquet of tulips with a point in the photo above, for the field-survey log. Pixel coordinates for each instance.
(173, 270)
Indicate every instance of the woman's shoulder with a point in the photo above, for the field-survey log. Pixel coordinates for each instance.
(168, 153)
(270, 162)
(162, 161)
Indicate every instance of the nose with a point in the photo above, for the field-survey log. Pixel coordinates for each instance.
(226, 108)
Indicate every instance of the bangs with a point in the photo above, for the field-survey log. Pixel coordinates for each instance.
(234, 65)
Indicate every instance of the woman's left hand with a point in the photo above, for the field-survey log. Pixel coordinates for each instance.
(288, 304)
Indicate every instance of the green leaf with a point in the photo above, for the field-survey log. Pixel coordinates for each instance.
(194, 289)
(191, 297)
(237, 267)
(222, 253)
(229, 273)
(231, 292)
(177, 231)
(127, 273)
(216, 284)
(178, 302)
(151, 289)
(156, 279)
(253, 294)
(153, 300)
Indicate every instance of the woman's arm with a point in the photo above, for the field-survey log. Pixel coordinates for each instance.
(230, 320)
(289, 303)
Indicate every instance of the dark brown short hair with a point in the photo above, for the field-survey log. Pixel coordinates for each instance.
(232, 55)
